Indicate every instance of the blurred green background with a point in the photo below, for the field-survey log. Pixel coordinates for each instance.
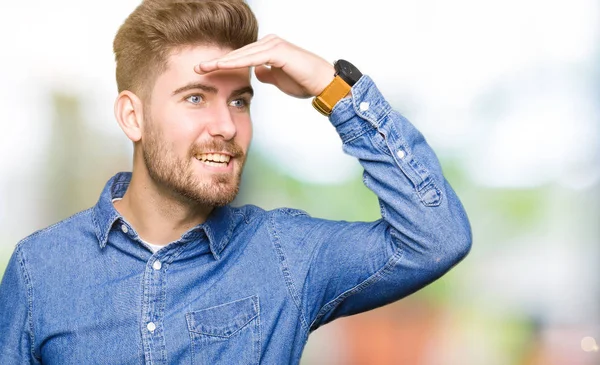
(507, 94)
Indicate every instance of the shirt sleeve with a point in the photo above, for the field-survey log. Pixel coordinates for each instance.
(15, 320)
(337, 268)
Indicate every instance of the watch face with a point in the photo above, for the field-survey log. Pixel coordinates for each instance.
(347, 71)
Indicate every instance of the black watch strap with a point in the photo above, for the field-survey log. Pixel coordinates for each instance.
(347, 71)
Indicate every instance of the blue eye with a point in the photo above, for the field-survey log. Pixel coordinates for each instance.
(239, 103)
(194, 99)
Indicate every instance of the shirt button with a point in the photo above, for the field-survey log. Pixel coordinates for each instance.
(156, 265)
(151, 326)
(364, 106)
(124, 228)
(401, 154)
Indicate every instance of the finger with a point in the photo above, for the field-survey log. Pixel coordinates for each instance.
(262, 45)
(265, 74)
(258, 48)
(256, 59)
(208, 66)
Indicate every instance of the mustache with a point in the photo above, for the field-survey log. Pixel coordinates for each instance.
(217, 145)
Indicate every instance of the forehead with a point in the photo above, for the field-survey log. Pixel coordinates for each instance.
(181, 62)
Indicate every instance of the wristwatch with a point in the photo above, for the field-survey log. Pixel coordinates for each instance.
(346, 75)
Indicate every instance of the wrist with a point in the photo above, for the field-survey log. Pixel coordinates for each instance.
(327, 76)
(344, 77)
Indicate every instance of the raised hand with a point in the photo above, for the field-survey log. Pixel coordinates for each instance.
(295, 71)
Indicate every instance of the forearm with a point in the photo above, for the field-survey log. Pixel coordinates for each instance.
(426, 217)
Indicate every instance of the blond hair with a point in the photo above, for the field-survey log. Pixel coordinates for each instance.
(157, 27)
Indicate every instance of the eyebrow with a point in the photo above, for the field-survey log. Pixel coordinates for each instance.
(213, 90)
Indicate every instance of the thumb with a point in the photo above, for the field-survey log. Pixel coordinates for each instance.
(264, 74)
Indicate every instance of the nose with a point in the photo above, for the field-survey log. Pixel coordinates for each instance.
(222, 124)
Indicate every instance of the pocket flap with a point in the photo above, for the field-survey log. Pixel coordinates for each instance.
(223, 320)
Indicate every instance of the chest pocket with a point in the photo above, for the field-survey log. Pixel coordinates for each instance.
(226, 334)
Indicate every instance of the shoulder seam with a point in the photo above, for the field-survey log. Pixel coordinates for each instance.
(29, 285)
(292, 212)
(51, 227)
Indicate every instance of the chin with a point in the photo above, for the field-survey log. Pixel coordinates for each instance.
(212, 194)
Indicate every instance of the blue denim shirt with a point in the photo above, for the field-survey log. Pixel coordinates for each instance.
(247, 286)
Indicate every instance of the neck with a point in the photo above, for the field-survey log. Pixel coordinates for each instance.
(157, 215)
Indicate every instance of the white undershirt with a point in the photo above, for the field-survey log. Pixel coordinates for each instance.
(152, 246)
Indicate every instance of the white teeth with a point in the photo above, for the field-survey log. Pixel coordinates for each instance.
(214, 159)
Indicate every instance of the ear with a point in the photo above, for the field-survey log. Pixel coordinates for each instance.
(129, 112)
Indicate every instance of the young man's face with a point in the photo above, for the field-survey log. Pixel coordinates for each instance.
(197, 128)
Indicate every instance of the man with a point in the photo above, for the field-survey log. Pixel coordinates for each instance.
(162, 270)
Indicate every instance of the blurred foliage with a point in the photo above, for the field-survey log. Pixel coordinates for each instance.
(505, 338)
(268, 187)
(80, 161)
(5, 253)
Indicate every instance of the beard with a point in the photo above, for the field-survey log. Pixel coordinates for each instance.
(178, 175)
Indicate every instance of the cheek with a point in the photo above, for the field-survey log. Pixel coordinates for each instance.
(178, 126)
(168, 131)
(244, 132)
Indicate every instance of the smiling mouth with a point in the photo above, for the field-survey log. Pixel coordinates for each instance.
(214, 159)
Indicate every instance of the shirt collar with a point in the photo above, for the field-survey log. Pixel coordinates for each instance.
(218, 227)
